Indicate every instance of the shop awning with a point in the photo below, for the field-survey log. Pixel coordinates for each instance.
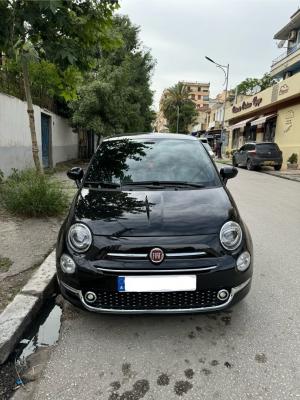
(241, 124)
(262, 120)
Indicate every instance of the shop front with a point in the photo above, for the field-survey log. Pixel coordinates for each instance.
(272, 115)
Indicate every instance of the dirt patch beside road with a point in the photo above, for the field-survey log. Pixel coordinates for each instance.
(24, 244)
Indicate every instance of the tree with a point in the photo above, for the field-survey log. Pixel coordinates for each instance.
(62, 32)
(178, 107)
(251, 86)
(116, 97)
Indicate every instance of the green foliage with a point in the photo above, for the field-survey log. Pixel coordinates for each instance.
(64, 32)
(177, 97)
(293, 159)
(57, 39)
(116, 96)
(31, 194)
(5, 263)
(250, 86)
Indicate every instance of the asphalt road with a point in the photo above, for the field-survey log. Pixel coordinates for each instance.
(251, 352)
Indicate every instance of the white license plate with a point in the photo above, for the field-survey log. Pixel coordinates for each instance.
(155, 283)
(269, 163)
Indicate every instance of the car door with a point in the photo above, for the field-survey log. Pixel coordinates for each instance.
(239, 155)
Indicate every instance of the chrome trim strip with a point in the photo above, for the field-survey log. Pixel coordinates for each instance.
(154, 270)
(127, 255)
(233, 292)
(168, 255)
(70, 289)
(191, 254)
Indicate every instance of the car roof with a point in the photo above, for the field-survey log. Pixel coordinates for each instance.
(152, 135)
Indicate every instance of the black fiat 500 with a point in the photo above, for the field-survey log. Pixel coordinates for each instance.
(153, 229)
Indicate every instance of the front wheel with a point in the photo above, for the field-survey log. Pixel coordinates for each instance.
(234, 163)
(249, 165)
(278, 167)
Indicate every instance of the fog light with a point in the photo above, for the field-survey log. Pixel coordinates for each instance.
(90, 297)
(243, 261)
(67, 264)
(223, 294)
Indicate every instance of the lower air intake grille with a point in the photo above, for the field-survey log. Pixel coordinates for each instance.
(113, 300)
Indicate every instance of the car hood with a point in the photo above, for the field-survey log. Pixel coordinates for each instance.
(154, 213)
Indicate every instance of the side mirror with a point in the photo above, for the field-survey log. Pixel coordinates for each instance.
(228, 173)
(76, 174)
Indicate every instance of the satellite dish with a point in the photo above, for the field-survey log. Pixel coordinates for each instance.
(280, 44)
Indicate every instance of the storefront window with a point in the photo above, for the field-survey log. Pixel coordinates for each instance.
(269, 130)
(250, 133)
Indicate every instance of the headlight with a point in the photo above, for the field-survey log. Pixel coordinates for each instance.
(231, 235)
(79, 238)
(67, 264)
(243, 261)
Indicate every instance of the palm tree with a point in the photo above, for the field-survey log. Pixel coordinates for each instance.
(175, 101)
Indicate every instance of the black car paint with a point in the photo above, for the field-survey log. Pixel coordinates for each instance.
(137, 220)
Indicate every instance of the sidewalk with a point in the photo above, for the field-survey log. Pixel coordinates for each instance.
(290, 174)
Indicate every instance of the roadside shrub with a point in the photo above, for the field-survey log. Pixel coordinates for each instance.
(1, 176)
(30, 194)
(293, 159)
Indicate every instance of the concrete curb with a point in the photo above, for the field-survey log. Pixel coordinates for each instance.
(289, 178)
(18, 315)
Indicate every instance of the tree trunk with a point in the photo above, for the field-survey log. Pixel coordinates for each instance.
(30, 111)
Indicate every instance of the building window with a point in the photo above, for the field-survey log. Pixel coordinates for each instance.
(199, 97)
(206, 98)
(199, 89)
(189, 88)
(193, 97)
(204, 90)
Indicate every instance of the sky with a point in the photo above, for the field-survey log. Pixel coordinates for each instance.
(180, 33)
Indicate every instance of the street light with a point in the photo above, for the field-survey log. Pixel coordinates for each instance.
(177, 118)
(225, 69)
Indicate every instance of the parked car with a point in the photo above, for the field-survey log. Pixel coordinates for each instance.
(209, 150)
(153, 229)
(203, 140)
(256, 155)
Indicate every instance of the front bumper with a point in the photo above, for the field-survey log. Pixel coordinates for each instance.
(153, 303)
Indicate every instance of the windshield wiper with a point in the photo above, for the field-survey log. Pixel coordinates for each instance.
(163, 183)
(103, 184)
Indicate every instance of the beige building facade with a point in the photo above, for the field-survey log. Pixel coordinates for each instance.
(272, 114)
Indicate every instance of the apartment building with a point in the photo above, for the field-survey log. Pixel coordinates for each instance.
(198, 93)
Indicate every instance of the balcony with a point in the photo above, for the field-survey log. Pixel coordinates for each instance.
(288, 61)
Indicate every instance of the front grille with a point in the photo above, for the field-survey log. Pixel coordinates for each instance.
(114, 300)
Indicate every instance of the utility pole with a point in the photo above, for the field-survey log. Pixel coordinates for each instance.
(177, 119)
(225, 69)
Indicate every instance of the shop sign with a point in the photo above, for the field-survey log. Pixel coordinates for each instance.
(245, 105)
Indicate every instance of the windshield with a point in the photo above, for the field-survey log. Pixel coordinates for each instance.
(126, 161)
(264, 147)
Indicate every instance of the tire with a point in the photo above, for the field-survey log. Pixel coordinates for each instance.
(249, 165)
(234, 163)
(278, 167)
